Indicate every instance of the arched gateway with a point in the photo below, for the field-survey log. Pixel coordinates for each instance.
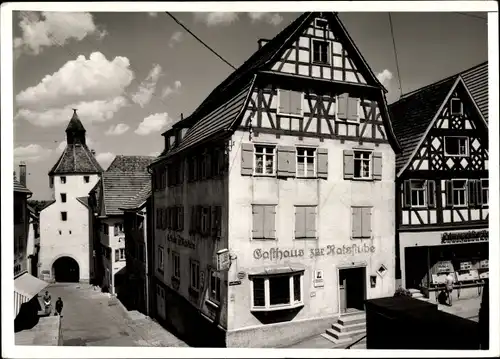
(66, 269)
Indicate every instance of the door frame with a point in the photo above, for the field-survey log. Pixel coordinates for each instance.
(353, 266)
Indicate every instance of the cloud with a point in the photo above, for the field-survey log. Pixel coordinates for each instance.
(117, 130)
(31, 152)
(153, 123)
(385, 77)
(153, 14)
(155, 153)
(168, 90)
(175, 38)
(147, 87)
(105, 159)
(271, 18)
(216, 18)
(46, 29)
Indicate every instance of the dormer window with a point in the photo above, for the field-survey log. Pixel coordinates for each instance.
(456, 107)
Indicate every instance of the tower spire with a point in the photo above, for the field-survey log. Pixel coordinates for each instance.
(75, 132)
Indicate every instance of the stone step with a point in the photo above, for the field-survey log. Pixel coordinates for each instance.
(341, 335)
(336, 341)
(348, 328)
(417, 295)
(352, 319)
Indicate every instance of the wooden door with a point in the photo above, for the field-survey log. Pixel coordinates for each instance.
(342, 291)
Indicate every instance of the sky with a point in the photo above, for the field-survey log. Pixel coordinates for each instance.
(131, 75)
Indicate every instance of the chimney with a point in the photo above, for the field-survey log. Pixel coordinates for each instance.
(182, 116)
(262, 42)
(22, 173)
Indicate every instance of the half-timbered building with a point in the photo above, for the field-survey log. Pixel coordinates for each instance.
(442, 184)
(274, 200)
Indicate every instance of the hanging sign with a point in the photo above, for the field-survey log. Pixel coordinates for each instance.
(223, 260)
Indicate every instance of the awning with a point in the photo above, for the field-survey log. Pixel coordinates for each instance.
(276, 270)
(26, 287)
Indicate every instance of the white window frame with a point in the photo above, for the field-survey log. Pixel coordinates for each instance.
(194, 265)
(265, 155)
(328, 52)
(267, 299)
(485, 189)
(464, 189)
(461, 107)
(284, 114)
(161, 262)
(212, 292)
(176, 265)
(305, 157)
(459, 155)
(412, 189)
(361, 160)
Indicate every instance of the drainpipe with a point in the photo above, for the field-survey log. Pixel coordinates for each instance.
(151, 296)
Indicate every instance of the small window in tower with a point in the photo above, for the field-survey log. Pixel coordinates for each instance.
(86, 179)
(64, 216)
(320, 52)
(63, 179)
(63, 197)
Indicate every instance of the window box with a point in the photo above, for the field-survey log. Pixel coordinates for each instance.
(277, 292)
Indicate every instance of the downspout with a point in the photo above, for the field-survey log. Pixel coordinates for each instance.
(145, 217)
(150, 296)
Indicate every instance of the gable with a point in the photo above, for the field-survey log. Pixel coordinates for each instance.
(457, 124)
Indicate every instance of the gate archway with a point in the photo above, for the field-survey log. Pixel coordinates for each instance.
(66, 269)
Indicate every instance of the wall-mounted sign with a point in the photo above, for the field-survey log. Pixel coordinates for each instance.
(223, 260)
(318, 280)
(235, 282)
(241, 275)
(181, 241)
(330, 250)
(465, 237)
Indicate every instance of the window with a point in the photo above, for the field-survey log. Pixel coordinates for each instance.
(180, 218)
(160, 258)
(290, 103)
(176, 265)
(321, 52)
(63, 197)
(265, 163)
(485, 191)
(456, 107)
(105, 228)
(63, 179)
(216, 221)
(86, 179)
(456, 146)
(119, 254)
(306, 162)
(214, 287)
(205, 220)
(362, 164)
(459, 190)
(418, 193)
(361, 222)
(277, 292)
(305, 222)
(118, 229)
(321, 23)
(194, 271)
(64, 216)
(264, 221)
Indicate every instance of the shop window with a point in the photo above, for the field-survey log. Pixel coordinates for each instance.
(176, 265)
(277, 292)
(263, 222)
(214, 287)
(306, 162)
(194, 274)
(455, 146)
(361, 222)
(305, 222)
(321, 52)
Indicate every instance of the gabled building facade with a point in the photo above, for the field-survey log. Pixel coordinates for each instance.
(125, 176)
(442, 187)
(65, 245)
(286, 169)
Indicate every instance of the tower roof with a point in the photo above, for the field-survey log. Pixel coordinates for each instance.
(75, 125)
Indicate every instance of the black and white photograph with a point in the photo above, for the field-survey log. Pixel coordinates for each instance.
(210, 176)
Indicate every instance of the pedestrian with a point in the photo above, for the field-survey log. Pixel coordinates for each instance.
(59, 306)
(47, 301)
(450, 280)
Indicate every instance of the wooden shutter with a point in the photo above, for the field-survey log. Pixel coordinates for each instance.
(310, 213)
(348, 164)
(286, 161)
(352, 109)
(356, 222)
(366, 222)
(377, 166)
(295, 103)
(322, 165)
(342, 106)
(246, 159)
(407, 194)
(300, 222)
(258, 221)
(479, 194)
(181, 218)
(431, 194)
(284, 101)
(449, 194)
(472, 192)
(269, 221)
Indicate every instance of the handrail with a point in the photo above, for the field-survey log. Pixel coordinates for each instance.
(355, 342)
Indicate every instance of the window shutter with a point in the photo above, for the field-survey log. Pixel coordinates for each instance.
(246, 159)
(377, 166)
(431, 194)
(366, 222)
(286, 161)
(258, 222)
(269, 221)
(472, 192)
(213, 222)
(192, 222)
(342, 106)
(479, 194)
(449, 194)
(407, 194)
(295, 103)
(209, 221)
(310, 222)
(322, 165)
(352, 109)
(356, 222)
(348, 164)
(219, 220)
(284, 101)
(300, 222)
(181, 218)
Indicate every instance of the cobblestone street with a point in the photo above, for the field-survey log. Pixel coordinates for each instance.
(89, 320)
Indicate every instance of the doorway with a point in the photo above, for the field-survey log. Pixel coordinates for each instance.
(352, 288)
(66, 270)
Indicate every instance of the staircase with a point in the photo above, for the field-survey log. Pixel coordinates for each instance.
(415, 293)
(349, 327)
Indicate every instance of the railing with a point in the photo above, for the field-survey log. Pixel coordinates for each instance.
(355, 342)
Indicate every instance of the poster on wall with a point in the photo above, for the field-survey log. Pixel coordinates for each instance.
(318, 279)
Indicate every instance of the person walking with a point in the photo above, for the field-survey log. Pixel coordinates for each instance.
(47, 302)
(59, 306)
(450, 280)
